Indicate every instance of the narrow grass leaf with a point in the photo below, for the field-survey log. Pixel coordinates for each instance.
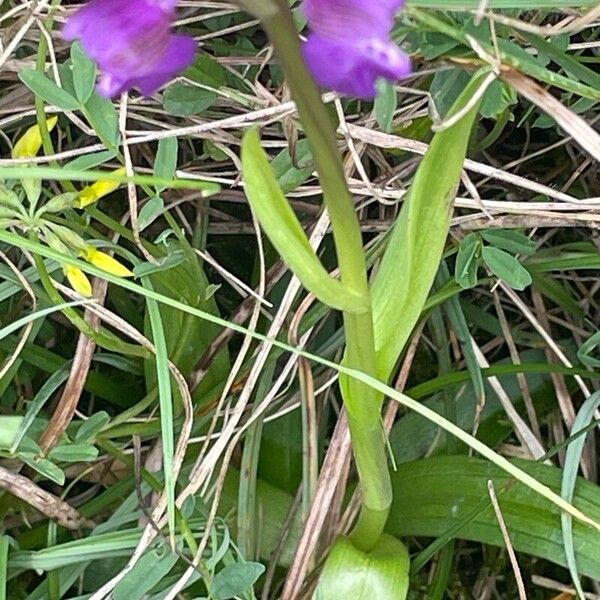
(42, 396)
(165, 396)
(15, 325)
(4, 545)
(569, 478)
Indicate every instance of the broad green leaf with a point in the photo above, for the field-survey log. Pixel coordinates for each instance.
(92, 426)
(182, 100)
(284, 230)
(497, 98)
(9, 428)
(437, 495)
(510, 240)
(351, 573)
(47, 90)
(415, 247)
(73, 453)
(148, 572)
(235, 580)
(290, 176)
(207, 71)
(84, 73)
(89, 161)
(467, 261)
(414, 437)
(44, 467)
(103, 117)
(151, 211)
(506, 267)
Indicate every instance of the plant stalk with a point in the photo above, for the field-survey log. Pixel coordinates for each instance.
(363, 404)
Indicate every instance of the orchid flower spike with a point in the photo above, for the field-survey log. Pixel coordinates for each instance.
(349, 45)
(132, 43)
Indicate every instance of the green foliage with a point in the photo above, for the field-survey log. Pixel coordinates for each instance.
(196, 294)
(349, 572)
(416, 243)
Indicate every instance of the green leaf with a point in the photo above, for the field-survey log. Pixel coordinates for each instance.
(92, 426)
(467, 261)
(47, 90)
(44, 467)
(187, 337)
(284, 230)
(506, 267)
(89, 161)
(9, 198)
(288, 175)
(4, 546)
(497, 98)
(386, 103)
(168, 262)
(9, 429)
(33, 189)
(73, 453)
(183, 100)
(166, 160)
(151, 211)
(207, 71)
(350, 573)
(84, 73)
(103, 117)
(569, 478)
(235, 580)
(437, 496)
(156, 325)
(150, 570)
(584, 354)
(416, 244)
(510, 240)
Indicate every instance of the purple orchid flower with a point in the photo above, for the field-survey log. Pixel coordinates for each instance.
(132, 43)
(349, 45)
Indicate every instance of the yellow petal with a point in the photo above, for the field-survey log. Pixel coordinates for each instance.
(106, 262)
(29, 144)
(78, 280)
(95, 191)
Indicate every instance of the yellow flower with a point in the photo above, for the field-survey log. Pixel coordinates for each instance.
(99, 189)
(78, 280)
(29, 144)
(106, 262)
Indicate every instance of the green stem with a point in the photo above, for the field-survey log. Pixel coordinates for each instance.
(363, 404)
